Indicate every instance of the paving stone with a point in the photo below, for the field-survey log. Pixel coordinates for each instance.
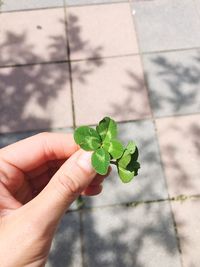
(197, 5)
(180, 151)
(114, 87)
(11, 5)
(10, 138)
(89, 2)
(101, 30)
(188, 223)
(149, 184)
(66, 247)
(32, 37)
(35, 97)
(174, 81)
(118, 237)
(167, 24)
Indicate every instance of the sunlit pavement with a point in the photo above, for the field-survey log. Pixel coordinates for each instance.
(65, 64)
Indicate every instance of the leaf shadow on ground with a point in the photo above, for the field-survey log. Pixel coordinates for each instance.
(29, 93)
(133, 99)
(118, 236)
(181, 161)
(174, 81)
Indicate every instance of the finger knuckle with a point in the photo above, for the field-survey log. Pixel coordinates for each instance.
(70, 184)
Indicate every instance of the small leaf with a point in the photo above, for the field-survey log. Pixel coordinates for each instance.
(125, 175)
(101, 161)
(114, 147)
(87, 138)
(128, 161)
(107, 129)
(131, 147)
(126, 157)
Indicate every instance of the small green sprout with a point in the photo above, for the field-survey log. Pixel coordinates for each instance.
(108, 149)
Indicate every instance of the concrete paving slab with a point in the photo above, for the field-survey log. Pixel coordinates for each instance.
(10, 138)
(66, 247)
(101, 30)
(110, 87)
(180, 152)
(13, 5)
(197, 5)
(32, 37)
(91, 2)
(35, 97)
(141, 237)
(149, 184)
(167, 24)
(173, 82)
(188, 223)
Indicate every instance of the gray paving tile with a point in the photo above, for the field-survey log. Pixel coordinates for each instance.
(12, 5)
(187, 219)
(167, 24)
(142, 236)
(10, 138)
(89, 2)
(174, 82)
(197, 5)
(149, 184)
(66, 248)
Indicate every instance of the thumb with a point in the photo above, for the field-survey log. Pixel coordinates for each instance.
(65, 186)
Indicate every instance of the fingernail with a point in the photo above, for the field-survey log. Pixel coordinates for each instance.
(84, 161)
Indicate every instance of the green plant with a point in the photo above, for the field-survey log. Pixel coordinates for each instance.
(108, 149)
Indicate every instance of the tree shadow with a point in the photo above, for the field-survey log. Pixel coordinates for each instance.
(30, 93)
(65, 250)
(118, 237)
(134, 99)
(179, 81)
(181, 154)
(32, 89)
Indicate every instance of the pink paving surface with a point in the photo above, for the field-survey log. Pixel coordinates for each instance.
(60, 67)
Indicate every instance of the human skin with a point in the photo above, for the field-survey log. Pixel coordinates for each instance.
(39, 178)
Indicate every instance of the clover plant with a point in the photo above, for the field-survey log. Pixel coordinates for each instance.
(108, 149)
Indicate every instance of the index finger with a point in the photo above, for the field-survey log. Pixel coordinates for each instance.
(34, 151)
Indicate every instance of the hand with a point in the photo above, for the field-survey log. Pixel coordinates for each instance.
(39, 178)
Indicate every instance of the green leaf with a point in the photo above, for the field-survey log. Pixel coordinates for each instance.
(128, 161)
(125, 175)
(126, 157)
(107, 129)
(131, 147)
(114, 147)
(101, 161)
(87, 138)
